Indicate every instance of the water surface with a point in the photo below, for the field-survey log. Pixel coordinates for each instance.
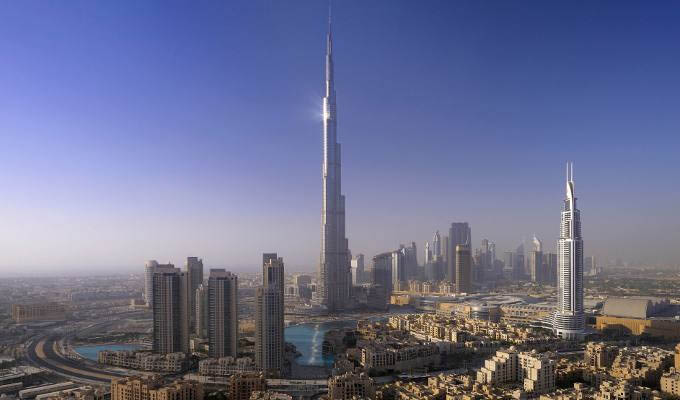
(308, 339)
(91, 352)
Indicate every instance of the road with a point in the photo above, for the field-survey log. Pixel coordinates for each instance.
(43, 353)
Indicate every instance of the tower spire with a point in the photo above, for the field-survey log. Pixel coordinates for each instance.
(329, 44)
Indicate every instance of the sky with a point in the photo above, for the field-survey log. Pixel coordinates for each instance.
(165, 129)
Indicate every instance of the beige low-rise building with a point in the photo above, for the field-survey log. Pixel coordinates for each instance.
(641, 365)
(670, 382)
(270, 395)
(45, 311)
(600, 355)
(622, 390)
(350, 386)
(535, 371)
(226, 366)
(78, 393)
(144, 360)
(152, 388)
(399, 356)
(242, 385)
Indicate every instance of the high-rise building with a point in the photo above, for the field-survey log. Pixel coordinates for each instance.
(463, 269)
(428, 253)
(436, 245)
(334, 267)
(410, 260)
(222, 314)
(485, 262)
(202, 311)
(569, 320)
(459, 233)
(520, 266)
(304, 279)
(269, 309)
(509, 267)
(535, 262)
(590, 266)
(445, 255)
(382, 272)
(358, 269)
(170, 313)
(434, 270)
(194, 270)
(150, 268)
(398, 269)
(536, 267)
(550, 264)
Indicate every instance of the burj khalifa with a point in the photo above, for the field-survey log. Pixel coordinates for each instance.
(333, 289)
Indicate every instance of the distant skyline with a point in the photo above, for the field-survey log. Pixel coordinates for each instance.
(162, 130)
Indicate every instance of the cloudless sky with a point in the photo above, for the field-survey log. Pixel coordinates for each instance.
(162, 129)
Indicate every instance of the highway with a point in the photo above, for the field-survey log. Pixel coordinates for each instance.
(43, 353)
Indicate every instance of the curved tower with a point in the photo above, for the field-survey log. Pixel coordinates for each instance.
(334, 266)
(538, 245)
(437, 244)
(569, 320)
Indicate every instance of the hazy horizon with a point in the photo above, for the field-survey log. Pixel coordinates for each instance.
(155, 130)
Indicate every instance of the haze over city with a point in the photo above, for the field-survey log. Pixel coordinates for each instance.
(348, 200)
(131, 131)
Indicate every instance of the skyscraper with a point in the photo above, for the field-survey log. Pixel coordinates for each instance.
(535, 262)
(222, 314)
(358, 269)
(202, 311)
(398, 269)
(509, 267)
(150, 268)
(194, 270)
(459, 233)
(334, 266)
(550, 264)
(436, 245)
(519, 261)
(536, 267)
(590, 266)
(463, 269)
(445, 256)
(410, 260)
(269, 308)
(428, 253)
(170, 313)
(381, 277)
(382, 271)
(569, 320)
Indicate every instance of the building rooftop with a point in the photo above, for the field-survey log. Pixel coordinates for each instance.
(634, 307)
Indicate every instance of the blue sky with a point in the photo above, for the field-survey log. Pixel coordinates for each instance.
(137, 130)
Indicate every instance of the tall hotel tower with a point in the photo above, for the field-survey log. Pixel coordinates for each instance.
(569, 320)
(334, 266)
(269, 324)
